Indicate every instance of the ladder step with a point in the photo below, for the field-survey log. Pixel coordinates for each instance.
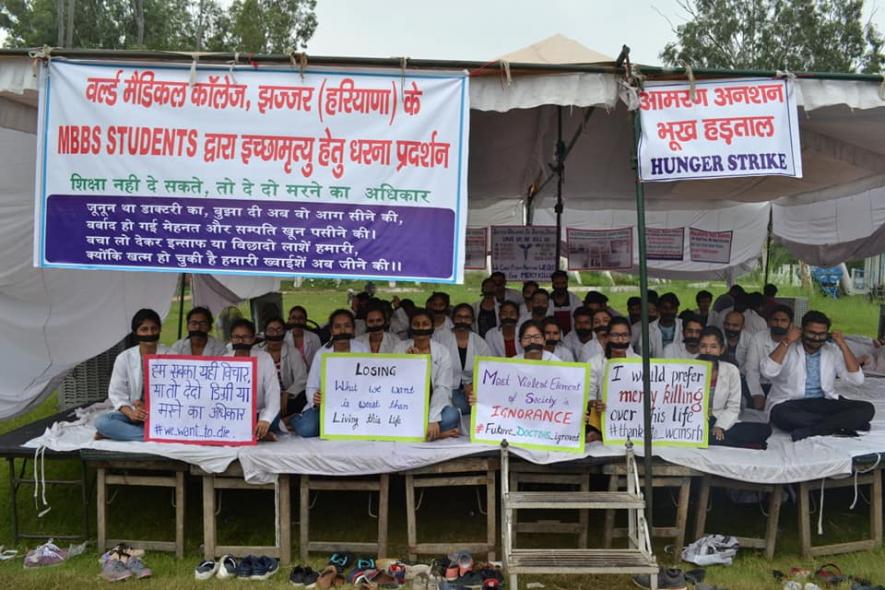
(573, 500)
(580, 561)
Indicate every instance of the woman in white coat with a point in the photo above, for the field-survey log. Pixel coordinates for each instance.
(198, 341)
(377, 339)
(463, 345)
(126, 388)
(725, 398)
(290, 367)
(502, 339)
(304, 340)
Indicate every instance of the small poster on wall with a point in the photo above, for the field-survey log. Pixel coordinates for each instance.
(600, 249)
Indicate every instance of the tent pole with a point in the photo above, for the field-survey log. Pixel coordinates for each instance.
(181, 305)
(768, 247)
(560, 168)
(646, 352)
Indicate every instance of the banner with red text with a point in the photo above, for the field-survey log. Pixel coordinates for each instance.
(719, 129)
(327, 173)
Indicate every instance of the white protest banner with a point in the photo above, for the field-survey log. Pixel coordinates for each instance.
(200, 400)
(532, 404)
(600, 249)
(524, 252)
(719, 129)
(477, 248)
(665, 243)
(710, 246)
(375, 396)
(680, 392)
(242, 170)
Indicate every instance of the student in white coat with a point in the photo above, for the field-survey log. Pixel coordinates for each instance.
(126, 387)
(198, 341)
(528, 289)
(290, 368)
(444, 419)
(599, 321)
(540, 308)
(553, 341)
(438, 305)
(664, 330)
(563, 302)
(463, 345)
(687, 348)
(304, 340)
(502, 292)
(503, 340)
(399, 319)
(761, 345)
(486, 309)
(725, 399)
(341, 329)
(242, 339)
(377, 338)
(582, 332)
(803, 398)
(617, 347)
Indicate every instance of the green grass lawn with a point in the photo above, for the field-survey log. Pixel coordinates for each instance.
(447, 514)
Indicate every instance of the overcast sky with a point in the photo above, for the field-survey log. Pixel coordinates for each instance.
(482, 30)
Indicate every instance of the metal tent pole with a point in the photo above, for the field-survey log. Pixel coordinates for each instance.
(768, 247)
(560, 168)
(646, 351)
(181, 305)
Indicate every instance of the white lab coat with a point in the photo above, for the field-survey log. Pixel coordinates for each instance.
(597, 371)
(760, 346)
(573, 343)
(564, 353)
(127, 379)
(388, 342)
(312, 344)
(213, 347)
(476, 346)
(677, 350)
(293, 370)
(268, 385)
(726, 403)
(441, 374)
(655, 337)
(495, 340)
(788, 379)
(316, 368)
(591, 349)
(399, 323)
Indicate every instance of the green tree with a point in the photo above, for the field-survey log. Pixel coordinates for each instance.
(271, 26)
(798, 35)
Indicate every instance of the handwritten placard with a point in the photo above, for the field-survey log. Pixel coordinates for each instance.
(200, 400)
(375, 396)
(524, 253)
(531, 404)
(719, 129)
(680, 393)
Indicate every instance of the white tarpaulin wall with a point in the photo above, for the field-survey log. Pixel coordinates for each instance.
(54, 319)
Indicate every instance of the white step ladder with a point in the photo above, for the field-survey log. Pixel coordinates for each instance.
(635, 559)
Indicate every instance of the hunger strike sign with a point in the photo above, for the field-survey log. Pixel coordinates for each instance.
(719, 129)
(680, 392)
(252, 171)
(531, 404)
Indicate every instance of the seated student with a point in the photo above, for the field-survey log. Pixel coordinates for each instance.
(553, 340)
(502, 292)
(290, 367)
(634, 309)
(341, 329)
(486, 309)
(541, 307)
(753, 320)
(358, 304)
(725, 399)
(528, 290)
(582, 332)
(198, 341)
(769, 292)
(502, 340)
(298, 335)
(444, 419)
(399, 319)
(126, 387)
(687, 348)
(874, 360)
(242, 340)
(599, 321)
(664, 330)
(704, 299)
(438, 307)
(563, 302)
(376, 338)
(737, 341)
(463, 345)
(595, 300)
(761, 345)
(617, 346)
(803, 399)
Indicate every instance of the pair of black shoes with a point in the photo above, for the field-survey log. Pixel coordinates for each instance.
(303, 576)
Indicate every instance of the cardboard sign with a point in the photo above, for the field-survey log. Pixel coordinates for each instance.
(375, 396)
(200, 400)
(531, 404)
(600, 249)
(524, 253)
(680, 392)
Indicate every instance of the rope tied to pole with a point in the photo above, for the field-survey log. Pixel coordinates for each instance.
(506, 78)
(692, 89)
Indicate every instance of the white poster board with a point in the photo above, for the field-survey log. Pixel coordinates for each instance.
(200, 400)
(600, 249)
(532, 404)
(477, 248)
(524, 253)
(680, 392)
(710, 246)
(375, 396)
(665, 243)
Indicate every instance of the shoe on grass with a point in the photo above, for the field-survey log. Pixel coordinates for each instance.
(264, 567)
(245, 567)
(227, 568)
(115, 570)
(207, 569)
(310, 578)
(668, 579)
(138, 568)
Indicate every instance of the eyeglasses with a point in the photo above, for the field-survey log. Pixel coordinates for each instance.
(533, 338)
